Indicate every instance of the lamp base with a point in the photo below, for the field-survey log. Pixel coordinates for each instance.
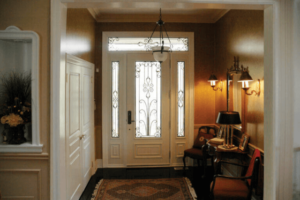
(228, 148)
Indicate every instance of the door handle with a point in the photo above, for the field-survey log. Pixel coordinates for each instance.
(81, 136)
(129, 118)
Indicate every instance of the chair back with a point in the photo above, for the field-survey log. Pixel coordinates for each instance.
(204, 132)
(253, 167)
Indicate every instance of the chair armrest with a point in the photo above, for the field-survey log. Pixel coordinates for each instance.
(232, 177)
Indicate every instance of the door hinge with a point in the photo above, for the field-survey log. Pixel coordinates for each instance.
(66, 78)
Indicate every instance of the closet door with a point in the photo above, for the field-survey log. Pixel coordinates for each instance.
(79, 125)
(73, 131)
(87, 123)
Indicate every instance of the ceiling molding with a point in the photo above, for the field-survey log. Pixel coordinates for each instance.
(219, 15)
(93, 13)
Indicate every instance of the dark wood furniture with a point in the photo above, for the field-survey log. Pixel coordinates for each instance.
(199, 148)
(220, 154)
(236, 188)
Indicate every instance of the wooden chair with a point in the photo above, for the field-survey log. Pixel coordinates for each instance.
(236, 188)
(197, 152)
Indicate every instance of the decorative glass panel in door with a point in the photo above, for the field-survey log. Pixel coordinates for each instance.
(148, 106)
(148, 99)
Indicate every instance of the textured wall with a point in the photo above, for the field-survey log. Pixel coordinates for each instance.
(240, 33)
(81, 34)
(204, 50)
(19, 171)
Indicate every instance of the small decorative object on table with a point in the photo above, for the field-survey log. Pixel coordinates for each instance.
(15, 105)
(244, 142)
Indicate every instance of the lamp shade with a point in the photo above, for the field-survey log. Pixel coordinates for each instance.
(212, 78)
(228, 117)
(245, 77)
(158, 55)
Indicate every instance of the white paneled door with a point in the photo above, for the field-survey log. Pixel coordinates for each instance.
(79, 125)
(148, 110)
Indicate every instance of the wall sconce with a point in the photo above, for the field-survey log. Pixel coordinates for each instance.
(244, 79)
(213, 79)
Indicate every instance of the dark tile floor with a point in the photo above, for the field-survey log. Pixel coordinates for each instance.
(201, 185)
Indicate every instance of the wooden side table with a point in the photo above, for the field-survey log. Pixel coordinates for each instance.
(213, 150)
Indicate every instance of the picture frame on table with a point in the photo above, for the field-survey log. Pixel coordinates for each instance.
(244, 142)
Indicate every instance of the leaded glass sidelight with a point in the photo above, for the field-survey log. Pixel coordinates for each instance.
(148, 99)
(115, 99)
(180, 98)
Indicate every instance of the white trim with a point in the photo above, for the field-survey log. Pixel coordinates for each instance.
(25, 147)
(57, 102)
(13, 32)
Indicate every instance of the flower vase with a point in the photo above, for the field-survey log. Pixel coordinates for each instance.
(17, 134)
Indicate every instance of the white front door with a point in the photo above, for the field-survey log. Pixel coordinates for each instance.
(148, 110)
(157, 99)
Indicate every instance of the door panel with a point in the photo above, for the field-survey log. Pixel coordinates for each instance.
(87, 89)
(73, 130)
(148, 100)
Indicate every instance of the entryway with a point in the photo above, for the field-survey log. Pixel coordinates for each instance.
(147, 112)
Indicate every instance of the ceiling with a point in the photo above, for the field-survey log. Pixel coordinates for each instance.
(190, 15)
(143, 11)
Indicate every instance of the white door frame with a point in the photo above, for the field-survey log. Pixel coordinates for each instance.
(279, 63)
(106, 99)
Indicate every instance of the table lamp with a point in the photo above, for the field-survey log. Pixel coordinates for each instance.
(228, 118)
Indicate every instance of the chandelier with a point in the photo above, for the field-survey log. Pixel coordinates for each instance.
(160, 52)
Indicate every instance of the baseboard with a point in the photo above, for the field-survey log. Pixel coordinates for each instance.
(99, 163)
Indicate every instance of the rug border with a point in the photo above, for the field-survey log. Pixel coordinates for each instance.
(187, 181)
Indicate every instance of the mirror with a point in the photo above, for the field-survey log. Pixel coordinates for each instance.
(19, 71)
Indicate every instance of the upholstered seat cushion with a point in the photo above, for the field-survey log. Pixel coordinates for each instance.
(194, 152)
(229, 189)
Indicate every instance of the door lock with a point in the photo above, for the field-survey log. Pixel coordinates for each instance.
(129, 118)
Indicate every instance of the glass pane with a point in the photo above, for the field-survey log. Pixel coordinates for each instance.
(180, 98)
(148, 99)
(141, 44)
(115, 99)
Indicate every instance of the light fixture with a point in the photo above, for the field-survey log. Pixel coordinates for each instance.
(213, 79)
(244, 79)
(228, 118)
(160, 52)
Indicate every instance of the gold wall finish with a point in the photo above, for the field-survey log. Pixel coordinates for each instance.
(240, 33)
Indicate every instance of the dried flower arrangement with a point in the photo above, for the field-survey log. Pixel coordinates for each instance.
(15, 106)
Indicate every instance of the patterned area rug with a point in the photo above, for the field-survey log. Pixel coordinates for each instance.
(144, 189)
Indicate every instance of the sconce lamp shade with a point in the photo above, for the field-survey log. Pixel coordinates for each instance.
(212, 78)
(228, 117)
(159, 54)
(245, 76)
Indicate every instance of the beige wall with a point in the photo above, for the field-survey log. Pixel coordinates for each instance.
(204, 50)
(240, 33)
(28, 174)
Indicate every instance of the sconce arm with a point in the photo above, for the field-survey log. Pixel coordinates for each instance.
(218, 88)
(253, 91)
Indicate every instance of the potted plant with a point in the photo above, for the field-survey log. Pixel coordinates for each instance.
(15, 106)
